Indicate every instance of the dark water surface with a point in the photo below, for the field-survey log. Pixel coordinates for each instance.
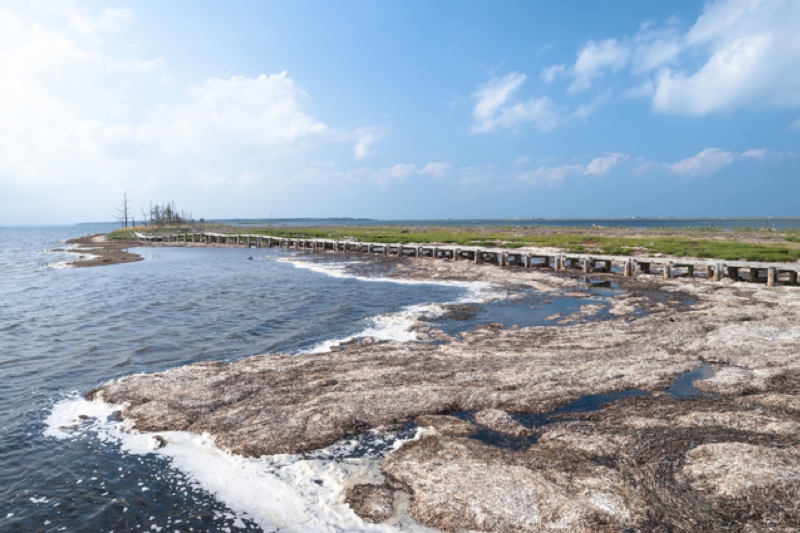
(67, 330)
(64, 331)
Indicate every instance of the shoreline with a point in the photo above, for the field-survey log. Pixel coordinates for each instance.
(747, 336)
(103, 252)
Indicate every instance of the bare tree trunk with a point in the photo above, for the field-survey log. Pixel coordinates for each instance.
(123, 211)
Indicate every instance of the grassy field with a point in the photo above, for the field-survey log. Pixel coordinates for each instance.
(738, 244)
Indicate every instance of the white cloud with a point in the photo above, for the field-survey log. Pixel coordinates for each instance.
(264, 112)
(704, 163)
(492, 97)
(595, 59)
(365, 138)
(653, 48)
(795, 125)
(495, 109)
(710, 161)
(759, 153)
(437, 170)
(401, 171)
(397, 172)
(549, 73)
(645, 90)
(89, 26)
(599, 166)
(738, 54)
(549, 175)
(522, 160)
(586, 110)
(81, 123)
(753, 50)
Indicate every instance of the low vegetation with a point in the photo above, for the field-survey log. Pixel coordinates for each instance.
(728, 244)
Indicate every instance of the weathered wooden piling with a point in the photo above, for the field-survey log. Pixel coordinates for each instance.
(667, 271)
(772, 276)
(718, 275)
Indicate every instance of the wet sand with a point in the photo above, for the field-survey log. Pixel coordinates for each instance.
(103, 252)
(726, 461)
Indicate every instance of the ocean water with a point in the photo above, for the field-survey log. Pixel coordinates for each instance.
(64, 331)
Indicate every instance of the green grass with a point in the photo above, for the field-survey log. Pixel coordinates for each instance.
(696, 242)
(120, 235)
(746, 245)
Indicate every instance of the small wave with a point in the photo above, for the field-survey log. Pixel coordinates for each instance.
(397, 326)
(292, 493)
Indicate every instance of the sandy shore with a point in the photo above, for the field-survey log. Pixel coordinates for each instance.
(103, 252)
(728, 461)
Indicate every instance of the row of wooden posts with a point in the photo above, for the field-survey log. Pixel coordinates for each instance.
(757, 272)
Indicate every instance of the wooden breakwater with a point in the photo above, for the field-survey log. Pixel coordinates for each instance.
(668, 267)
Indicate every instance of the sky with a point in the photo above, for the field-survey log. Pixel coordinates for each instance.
(399, 109)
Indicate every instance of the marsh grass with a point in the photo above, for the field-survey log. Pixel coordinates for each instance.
(740, 244)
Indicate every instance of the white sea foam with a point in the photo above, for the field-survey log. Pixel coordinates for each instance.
(290, 493)
(67, 251)
(397, 326)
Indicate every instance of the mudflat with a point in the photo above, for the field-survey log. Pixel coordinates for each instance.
(726, 460)
(103, 252)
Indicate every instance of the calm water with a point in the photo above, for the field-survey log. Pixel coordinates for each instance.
(64, 331)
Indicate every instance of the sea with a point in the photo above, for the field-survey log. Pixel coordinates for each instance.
(67, 464)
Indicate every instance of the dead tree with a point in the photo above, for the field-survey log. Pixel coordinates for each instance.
(123, 211)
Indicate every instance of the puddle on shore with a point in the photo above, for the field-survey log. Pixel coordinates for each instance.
(683, 387)
(528, 309)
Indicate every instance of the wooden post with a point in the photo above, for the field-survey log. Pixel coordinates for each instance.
(478, 257)
(628, 271)
(546, 263)
(772, 276)
(718, 272)
(608, 266)
(502, 258)
(793, 277)
(690, 271)
(667, 271)
(733, 273)
(587, 265)
(753, 277)
(435, 253)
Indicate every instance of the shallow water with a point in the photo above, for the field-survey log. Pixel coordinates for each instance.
(682, 387)
(64, 331)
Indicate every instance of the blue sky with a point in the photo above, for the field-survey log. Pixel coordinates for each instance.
(400, 109)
